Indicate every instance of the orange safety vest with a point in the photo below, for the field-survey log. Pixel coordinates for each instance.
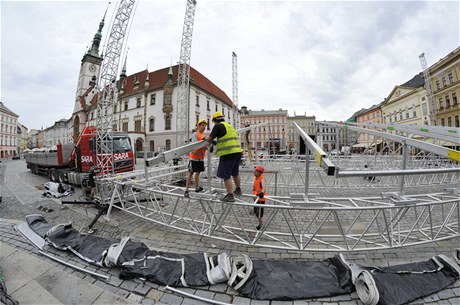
(198, 154)
(257, 187)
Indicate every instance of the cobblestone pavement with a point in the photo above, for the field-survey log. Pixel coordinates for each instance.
(22, 196)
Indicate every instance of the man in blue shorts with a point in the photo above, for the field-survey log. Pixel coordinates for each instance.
(229, 152)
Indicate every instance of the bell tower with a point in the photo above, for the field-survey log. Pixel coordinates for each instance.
(87, 80)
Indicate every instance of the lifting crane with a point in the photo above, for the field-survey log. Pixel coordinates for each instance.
(108, 93)
(183, 81)
(235, 88)
(429, 89)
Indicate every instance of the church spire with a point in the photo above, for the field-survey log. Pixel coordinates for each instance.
(97, 38)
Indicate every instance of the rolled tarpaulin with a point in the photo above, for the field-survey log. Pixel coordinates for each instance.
(401, 284)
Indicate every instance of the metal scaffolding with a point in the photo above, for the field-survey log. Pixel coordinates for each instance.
(308, 208)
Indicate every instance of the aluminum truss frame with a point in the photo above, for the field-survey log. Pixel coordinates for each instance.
(294, 219)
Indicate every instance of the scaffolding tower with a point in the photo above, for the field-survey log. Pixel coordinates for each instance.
(429, 89)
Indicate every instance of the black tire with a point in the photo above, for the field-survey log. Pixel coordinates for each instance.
(61, 177)
(53, 175)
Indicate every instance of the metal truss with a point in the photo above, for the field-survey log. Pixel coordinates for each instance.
(295, 222)
(307, 209)
(183, 80)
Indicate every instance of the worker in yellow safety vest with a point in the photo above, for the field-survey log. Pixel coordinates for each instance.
(229, 151)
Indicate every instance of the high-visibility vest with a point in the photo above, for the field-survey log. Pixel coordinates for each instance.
(230, 143)
(257, 187)
(198, 154)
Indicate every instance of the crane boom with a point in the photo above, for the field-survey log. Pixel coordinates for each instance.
(429, 89)
(183, 81)
(107, 90)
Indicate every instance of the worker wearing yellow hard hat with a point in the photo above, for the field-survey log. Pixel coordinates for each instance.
(229, 152)
(196, 162)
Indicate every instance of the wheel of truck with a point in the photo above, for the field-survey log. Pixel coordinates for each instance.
(60, 177)
(53, 175)
(34, 169)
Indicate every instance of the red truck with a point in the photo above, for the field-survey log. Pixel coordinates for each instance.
(71, 163)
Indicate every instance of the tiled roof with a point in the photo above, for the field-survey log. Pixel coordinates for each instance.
(5, 109)
(157, 79)
(416, 81)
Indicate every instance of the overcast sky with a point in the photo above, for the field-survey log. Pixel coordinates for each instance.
(323, 58)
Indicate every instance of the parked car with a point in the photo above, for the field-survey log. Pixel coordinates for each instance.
(16, 157)
(334, 152)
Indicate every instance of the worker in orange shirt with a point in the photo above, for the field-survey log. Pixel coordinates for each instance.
(259, 189)
(196, 163)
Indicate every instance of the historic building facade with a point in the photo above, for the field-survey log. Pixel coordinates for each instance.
(307, 124)
(445, 83)
(146, 106)
(8, 132)
(370, 115)
(407, 103)
(273, 135)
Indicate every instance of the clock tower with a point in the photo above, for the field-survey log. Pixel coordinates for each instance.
(87, 79)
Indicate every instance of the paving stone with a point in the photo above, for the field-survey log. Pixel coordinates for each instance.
(241, 301)
(221, 297)
(129, 285)
(171, 299)
(142, 289)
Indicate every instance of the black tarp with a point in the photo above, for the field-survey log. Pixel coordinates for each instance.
(401, 284)
(294, 280)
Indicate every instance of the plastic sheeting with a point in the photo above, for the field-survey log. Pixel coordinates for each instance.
(401, 284)
(256, 279)
(293, 280)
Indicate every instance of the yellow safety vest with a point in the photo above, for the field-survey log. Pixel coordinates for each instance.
(230, 143)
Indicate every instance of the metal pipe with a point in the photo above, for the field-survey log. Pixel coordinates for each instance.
(196, 297)
(404, 162)
(105, 277)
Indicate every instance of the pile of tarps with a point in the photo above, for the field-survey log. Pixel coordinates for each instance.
(256, 279)
(57, 190)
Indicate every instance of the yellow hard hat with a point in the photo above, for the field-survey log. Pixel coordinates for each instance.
(216, 115)
(201, 122)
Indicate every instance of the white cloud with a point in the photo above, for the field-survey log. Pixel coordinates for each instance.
(325, 58)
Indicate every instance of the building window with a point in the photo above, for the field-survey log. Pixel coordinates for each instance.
(407, 115)
(424, 109)
(152, 146)
(447, 101)
(449, 122)
(207, 105)
(443, 122)
(441, 104)
(457, 122)
(167, 99)
(153, 99)
(137, 126)
(168, 144)
(126, 105)
(414, 113)
(451, 78)
(454, 99)
(152, 124)
(216, 107)
(438, 84)
(125, 126)
(400, 116)
(444, 82)
(138, 102)
(114, 126)
(168, 122)
(197, 101)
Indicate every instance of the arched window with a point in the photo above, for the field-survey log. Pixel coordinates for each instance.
(152, 145)
(152, 124)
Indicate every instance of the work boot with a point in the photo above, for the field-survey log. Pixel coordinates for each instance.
(228, 198)
(199, 189)
(237, 191)
(186, 194)
(259, 227)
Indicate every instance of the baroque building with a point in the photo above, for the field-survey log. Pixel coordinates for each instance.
(273, 136)
(307, 124)
(146, 104)
(445, 83)
(8, 132)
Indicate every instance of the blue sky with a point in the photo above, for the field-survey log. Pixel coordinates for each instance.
(322, 58)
